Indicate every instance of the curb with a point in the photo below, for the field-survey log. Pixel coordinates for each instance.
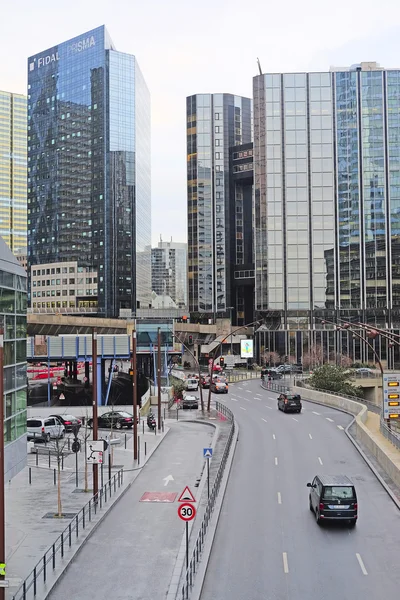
(358, 448)
(75, 551)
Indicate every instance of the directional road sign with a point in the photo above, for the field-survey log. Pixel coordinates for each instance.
(94, 452)
(207, 452)
(186, 512)
(186, 496)
(391, 395)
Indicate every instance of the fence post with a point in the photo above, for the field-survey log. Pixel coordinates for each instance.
(83, 518)
(62, 545)
(44, 568)
(34, 581)
(77, 525)
(69, 534)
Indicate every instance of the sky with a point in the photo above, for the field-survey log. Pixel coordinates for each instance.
(209, 46)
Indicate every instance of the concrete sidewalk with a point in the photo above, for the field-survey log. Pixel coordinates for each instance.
(30, 507)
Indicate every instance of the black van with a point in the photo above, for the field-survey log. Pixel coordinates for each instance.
(333, 498)
(289, 403)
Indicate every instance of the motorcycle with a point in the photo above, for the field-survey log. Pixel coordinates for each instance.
(151, 421)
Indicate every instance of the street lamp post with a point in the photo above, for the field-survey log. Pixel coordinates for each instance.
(2, 503)
(134, 384)
(94, 410)
(159, 378)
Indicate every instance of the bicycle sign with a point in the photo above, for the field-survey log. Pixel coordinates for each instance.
(186, 512)
(94, 452)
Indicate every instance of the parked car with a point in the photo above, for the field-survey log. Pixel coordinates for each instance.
(284, 369)
(117, 419)
(365, 372)
(192, 384)
(333, 498)
(219, 385)
(289, 403)
(189, 401)
(69, 422)
(273, 373)
(39, 428)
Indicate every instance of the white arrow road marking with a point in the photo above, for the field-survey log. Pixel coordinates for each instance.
(279, 498)
(362, 566)
(310, 436)
(285, 563)
(265, 420)
(276, 460)
(340, 427)
(320, 461)
(328, 419)
(168, 479)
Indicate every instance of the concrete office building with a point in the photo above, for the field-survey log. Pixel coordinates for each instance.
(13, 165)
(327, 207)
(89, 168)
(169, 271)
(215, 123)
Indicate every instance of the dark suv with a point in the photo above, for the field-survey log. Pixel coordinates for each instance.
(333, 498)
(289, 403)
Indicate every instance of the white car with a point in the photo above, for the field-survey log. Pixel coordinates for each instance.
(192, 384)
(42, 429)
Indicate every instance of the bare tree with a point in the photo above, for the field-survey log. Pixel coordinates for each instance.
(271, 357)
(59, 447)
(314, 357)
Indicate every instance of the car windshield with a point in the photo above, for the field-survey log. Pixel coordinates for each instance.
(338, 492)
(67, 417)
(123, 414)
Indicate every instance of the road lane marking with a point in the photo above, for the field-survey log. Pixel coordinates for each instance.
(257, 394)
(273, 436)
(320, 461)
(265, 420)
(247, 399)
(295, 419)
(276, 460)
(248, 391)
(328, 419)
(315, 412)
(362, 566)
(234, 399)
(257, 399)
(310, 436)
(285, 563)
(270, 407)
(279, 498)
(340, 427)
(239, 388)
(242, 407)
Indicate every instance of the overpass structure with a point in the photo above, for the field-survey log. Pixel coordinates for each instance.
(58, 324)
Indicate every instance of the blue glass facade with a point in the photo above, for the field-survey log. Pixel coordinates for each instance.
(88, 147)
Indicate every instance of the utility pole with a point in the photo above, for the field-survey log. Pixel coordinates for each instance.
(134, 378)
(2, 511)
(159, 377)
(94, 413)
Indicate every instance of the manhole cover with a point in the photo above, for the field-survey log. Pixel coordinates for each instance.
(52, 515)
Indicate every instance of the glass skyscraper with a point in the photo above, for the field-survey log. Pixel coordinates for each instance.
(169, 271)
(215, 123)
(327, 205)
(13, 161)
(89, 196)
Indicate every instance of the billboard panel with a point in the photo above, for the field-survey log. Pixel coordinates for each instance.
(246, 349)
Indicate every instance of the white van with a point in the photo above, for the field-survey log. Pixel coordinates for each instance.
(192, 384)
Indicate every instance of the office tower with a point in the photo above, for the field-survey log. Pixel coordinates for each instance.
(13, 162)
(169, 271)
(89, 173)
(327, 205)
(215, 123)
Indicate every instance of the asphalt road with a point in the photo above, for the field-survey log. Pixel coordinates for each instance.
(132, 553)
(268, 545)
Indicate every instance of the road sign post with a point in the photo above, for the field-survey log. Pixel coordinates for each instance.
(187, 512)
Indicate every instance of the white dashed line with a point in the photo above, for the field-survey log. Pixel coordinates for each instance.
(257, 394)
(285, 563)
(279, 498)
(320, 461)
(270, 407)
(242, 407)
(328, 419)
(234, 399)
(248, 391)
(273, 436)
(247, 399)
(362, 566)
(295, 419)
(239, 388)
(340, 427)
(265, 420)
(257, 399)
(315, 412)
(310, 436)
(276, 460)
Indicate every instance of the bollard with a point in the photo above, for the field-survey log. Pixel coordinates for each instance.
(145, 448)
(164, 413)
(125, 441)
(155, 430)
(162, 424)
(49, 460)
(138, 454)
(37, 457)
(30, 475)
(62, 462)
(143, 427)
(177, 413)
(55, 478)
(69, 444)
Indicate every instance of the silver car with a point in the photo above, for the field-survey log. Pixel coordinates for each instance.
(39, 428)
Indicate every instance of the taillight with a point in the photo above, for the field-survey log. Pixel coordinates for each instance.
(355, 506)
(67, 422)
(285, 400)
(42, 429)
(321, 506)
(128, 419)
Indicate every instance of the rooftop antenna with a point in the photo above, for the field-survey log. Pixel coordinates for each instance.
(259, 66)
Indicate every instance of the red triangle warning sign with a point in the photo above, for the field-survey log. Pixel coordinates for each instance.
(186, 496)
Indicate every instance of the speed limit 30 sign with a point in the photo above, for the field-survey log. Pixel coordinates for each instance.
(186, 512)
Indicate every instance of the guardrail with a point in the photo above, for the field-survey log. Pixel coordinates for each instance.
(183, 592)
(275, 387)
(64, 541)
(389, 434)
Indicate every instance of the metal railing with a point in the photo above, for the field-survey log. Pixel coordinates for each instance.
(240, 376)
(389, 434)
(184, 590)
(275, 387)
(64, 541)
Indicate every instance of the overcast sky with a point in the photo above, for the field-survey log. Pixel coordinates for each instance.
(207, 46)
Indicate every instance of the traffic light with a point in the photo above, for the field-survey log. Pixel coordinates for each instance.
(190, 340)
(222, 362)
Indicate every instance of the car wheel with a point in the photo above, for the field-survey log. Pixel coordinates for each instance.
(130, 426)
(90, 423)
(118, 425)
(47, 437)
(310, 504)
(317, 517)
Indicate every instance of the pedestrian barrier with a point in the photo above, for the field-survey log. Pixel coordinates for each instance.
(56, 552)
(184, 590)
